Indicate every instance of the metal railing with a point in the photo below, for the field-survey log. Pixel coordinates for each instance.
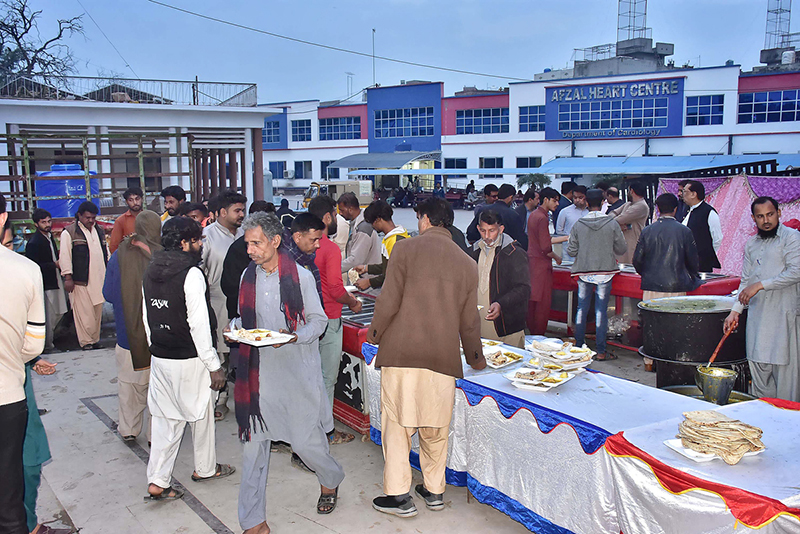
(126, 90)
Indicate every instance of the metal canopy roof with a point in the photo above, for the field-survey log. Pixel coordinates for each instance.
(437, 172)
(659, 164)
(387, 160)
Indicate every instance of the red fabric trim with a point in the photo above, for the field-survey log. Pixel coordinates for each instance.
(751, 509)
(780, 403)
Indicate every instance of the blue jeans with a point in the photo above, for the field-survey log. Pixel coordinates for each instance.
(603, 293)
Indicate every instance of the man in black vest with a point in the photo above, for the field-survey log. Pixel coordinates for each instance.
(704, 223)
(184, 367)
(83, 265)
(41, 248)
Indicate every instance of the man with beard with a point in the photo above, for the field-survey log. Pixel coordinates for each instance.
(279, 390)
(329, 262)
(41, 248)
(125, 224)
(123, 289)
(218, 237)
(173, 196)
(185, 368)
(771, 287)
(83, 261)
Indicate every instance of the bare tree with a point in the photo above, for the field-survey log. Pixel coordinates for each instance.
(23, 51)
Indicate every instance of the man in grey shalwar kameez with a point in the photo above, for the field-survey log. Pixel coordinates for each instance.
(771, 287)
(291, 395)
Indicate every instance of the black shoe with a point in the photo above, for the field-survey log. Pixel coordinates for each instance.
(399, 505)
(300, 464)
(43, 411)
(434, 501)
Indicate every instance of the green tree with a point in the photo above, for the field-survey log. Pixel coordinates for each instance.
(534, 179)
(24, 52)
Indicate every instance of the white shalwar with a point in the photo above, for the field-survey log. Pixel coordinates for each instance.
(180, 392)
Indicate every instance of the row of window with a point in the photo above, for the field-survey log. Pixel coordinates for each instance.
(769, 106)
(302, 169)
(760, 107)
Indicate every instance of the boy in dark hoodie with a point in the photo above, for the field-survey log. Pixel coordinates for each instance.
(594, 242)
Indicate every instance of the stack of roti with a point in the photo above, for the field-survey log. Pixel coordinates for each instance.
(711, 432)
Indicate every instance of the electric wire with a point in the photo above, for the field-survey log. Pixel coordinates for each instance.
(109, 40)
(329, 47)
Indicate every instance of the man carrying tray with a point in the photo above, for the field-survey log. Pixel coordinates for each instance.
(279, 392)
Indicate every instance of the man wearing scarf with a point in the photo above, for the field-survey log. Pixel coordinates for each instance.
(279, 392)
(180, 327)
(123, 289)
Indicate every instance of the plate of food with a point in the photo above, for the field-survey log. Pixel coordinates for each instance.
(677, 446)
(258, 337)
(497, 358)
(539, 379)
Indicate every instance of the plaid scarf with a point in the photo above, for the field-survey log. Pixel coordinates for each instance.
(246, 389)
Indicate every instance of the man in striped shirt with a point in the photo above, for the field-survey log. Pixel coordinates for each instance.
(22, 333)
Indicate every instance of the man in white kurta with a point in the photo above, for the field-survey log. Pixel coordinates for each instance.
(180, 387)
(771, 287)
(217, 239)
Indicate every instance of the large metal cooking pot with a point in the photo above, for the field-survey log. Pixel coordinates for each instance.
(681, 332)
(688, 329)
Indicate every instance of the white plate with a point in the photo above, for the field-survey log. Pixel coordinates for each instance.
(677, 446)
(564, 367)
(536, 385)
(510, 362)
(275, 339)
(351, 289)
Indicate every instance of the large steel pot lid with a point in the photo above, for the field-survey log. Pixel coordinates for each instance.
(690, 304)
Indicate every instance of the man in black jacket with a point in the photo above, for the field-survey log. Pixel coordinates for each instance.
(41, 248)
(503, 281)
(666, 255)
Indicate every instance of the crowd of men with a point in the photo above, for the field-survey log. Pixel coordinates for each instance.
(181, 281)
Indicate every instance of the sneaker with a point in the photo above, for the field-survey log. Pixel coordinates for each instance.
(434, 501)
(399, 505)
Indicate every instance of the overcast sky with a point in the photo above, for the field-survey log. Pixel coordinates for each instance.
(514, 38)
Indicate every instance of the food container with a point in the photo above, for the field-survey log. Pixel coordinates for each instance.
(681, 332)
(715, 383)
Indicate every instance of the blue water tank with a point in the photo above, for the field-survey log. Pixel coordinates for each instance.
(75, 187)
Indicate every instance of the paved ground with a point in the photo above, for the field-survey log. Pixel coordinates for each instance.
(96, 482)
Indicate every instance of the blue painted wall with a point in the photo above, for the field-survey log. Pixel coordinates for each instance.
(284, 141)
(400, 97)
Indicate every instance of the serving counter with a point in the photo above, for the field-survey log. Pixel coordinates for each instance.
(556, 461)
(626, 289)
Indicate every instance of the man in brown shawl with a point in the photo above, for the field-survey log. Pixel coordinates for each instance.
(123, 289)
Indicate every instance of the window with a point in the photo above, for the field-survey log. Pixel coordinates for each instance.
(271, 132)
(703, 110)
(302, 169)
(482, 121)
(301, 130)
(531, 119)
(339, 128)
(634, 113)
(327, 171)
(456, 163)
(491, 163)
(529, 163)
(771, 106)
(407, 122)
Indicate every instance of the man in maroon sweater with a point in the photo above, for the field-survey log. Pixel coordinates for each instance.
(334, 295)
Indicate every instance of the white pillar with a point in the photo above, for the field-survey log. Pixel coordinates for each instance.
(105, 150)
(248, 163)
(173, 160)
(185, 162)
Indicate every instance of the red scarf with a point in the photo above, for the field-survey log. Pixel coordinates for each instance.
(246, 389)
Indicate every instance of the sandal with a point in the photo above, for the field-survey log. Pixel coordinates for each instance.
(223, 470)
(220, 412)
(327, 500)
(608, 356)
(169, 494)
(338, 437)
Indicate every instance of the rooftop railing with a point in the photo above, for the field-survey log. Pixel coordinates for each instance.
(132, 91)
